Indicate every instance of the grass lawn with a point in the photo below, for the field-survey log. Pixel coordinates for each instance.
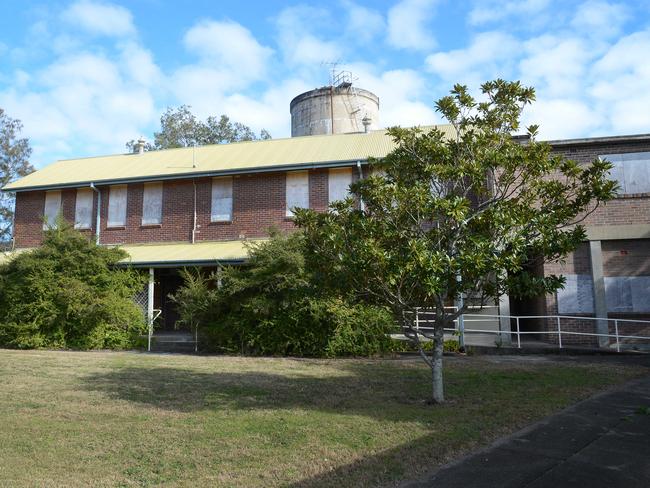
(128, 419)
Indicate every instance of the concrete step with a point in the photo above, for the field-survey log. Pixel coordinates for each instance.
(173, 342)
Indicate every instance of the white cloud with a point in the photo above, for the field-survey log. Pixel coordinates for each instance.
(299, 45)
(227, 45)
(561, 118)
(556, 65)
(407, 24)
(598, 18)
(494, 10)
(489, 55)
(621, 84)
(364, 24)
(100, 18)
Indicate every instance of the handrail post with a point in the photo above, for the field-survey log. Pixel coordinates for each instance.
(559, 332)
(518, 335)
(417, 320)
(618, 345)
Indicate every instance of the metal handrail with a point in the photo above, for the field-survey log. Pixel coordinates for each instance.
(518, 332)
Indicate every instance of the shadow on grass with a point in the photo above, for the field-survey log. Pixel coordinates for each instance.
(362, 389)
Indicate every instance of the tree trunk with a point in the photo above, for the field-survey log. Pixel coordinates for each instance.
(436, 364)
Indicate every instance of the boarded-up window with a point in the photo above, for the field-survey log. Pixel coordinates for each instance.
(221, 199)
(52, 208)
(297, 191)
(577, 295)
(117, 206)
(152, 203)
(83, 209)
(631, 171)
(339, 181)
(627, 293)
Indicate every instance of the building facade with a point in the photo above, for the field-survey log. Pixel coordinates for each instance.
(200, 206)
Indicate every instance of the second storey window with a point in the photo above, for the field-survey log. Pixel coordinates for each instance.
(152, 204)
(221, 199)
(297, 191)
(83, 209)
(117, 206)
(339, 181)
(52, 208)
(631, 171)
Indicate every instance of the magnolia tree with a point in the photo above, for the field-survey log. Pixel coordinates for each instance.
(464, 215)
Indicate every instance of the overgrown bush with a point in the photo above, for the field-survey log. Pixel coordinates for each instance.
(68, 294)
(274, 305)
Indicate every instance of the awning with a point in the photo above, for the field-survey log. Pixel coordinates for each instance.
(186, 254)
(175, 254)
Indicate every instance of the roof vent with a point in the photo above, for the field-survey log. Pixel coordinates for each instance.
(138, 148)
(367, 122)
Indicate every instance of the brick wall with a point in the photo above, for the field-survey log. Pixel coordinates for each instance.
(258, 204)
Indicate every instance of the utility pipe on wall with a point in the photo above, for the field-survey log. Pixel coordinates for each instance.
(194, 218)
(361, 205)
(99, 210)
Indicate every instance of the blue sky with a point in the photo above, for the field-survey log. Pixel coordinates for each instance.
(85, 76)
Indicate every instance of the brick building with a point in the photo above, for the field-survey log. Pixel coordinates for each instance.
(198, 206)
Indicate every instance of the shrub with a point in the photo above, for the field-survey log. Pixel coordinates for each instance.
(274, 305)
(68, 294)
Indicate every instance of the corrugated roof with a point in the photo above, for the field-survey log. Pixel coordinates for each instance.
(173, 254)
(186, 254)
(238, 157)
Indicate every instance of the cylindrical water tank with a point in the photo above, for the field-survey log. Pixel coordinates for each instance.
(334, 110)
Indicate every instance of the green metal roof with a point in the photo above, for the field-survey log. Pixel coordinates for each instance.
(241, 157)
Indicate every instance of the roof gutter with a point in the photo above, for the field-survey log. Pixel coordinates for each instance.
(177, 264)
(184, 176)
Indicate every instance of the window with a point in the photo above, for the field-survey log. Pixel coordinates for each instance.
(52, 208)
(631, 171)
(83, 209)
(297, 191)
(339, 181)
(117, 206)
(152, 203)
(221, 199)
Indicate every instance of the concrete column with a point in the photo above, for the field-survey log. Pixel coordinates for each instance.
(504, 320)
(600, 301)
(150, 290)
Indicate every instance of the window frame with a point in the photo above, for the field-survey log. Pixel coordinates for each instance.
(338, 171)
(618, 172)
(49, 221)
(227, 196)
(153, 189)
(111, 199)
(301, 176)
(88, 195)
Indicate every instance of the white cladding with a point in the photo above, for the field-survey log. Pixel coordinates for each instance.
(297, 191)
(52, 208)
(338, 185)
(117, 206)
(83, 209)
(631, 171)
(221, 199)
(152, 200)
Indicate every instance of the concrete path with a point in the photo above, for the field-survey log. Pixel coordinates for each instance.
(601, 442)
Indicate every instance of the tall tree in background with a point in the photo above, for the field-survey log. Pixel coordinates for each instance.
(179, 127)
(14, 163)
(460, 216)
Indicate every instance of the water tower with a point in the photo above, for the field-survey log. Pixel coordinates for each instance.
(339, 108)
